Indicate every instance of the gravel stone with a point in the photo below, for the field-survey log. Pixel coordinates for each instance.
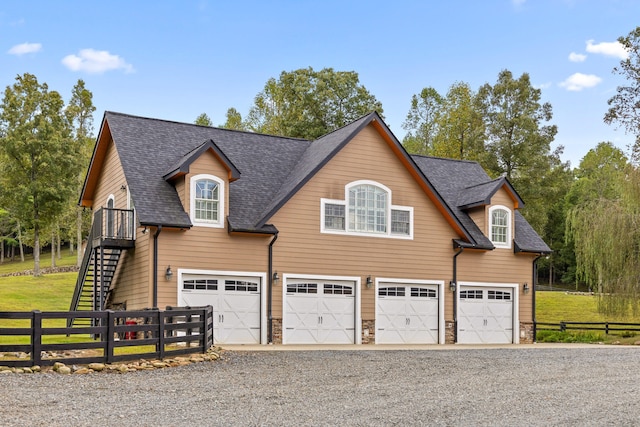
(519, 385)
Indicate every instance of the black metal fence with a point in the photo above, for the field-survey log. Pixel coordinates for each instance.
(146, 333)
(607, 327)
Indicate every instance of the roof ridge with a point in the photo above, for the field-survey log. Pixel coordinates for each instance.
(374, 112)
(444, 158)
(201, 126)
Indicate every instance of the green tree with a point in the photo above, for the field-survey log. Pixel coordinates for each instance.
(234, 120)
(203, 120)
(624, 105)
(460, 126)
(597, 179)
(606, 234)
(305, 103)
(421, 123)
(519, 143)
(79, 115)
(40, 168)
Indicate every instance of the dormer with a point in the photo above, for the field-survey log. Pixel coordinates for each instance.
(201, 178)
(491, 205)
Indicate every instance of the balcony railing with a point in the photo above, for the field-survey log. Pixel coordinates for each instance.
(110, 224)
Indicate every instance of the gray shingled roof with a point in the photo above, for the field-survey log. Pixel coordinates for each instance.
(463, 184)
(150, 148)
(272, 169)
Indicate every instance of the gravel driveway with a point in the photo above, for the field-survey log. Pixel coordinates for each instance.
(514, 386)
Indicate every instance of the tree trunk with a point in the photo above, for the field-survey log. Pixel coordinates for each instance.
(36, 249)
(53, 250)
(2, 251)
(20, 242)
(58, 241)
(79, 237)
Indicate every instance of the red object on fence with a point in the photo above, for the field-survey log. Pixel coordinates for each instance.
(130, 335)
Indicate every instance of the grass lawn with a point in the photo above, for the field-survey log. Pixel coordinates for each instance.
(9, 266)
(555, 307)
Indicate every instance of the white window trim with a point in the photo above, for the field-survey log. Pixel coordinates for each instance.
(506, 245)
(192, 202)
(345, 203)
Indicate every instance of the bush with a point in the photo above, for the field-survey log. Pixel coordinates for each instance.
(570, 336)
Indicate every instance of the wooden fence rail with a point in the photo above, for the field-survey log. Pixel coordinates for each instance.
(174, 331)
(607, 327)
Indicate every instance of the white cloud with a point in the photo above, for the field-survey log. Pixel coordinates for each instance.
(24, 48)
(608, 48)
(577, 57)
(578, 81)
(96, 62)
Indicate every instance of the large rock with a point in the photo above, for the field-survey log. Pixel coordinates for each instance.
(98, 367)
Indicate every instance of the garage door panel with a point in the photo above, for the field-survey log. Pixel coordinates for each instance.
(320, 311)
(407, 314)
(485, 315)
(236, 305)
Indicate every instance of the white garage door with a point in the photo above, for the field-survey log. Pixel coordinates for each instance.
(319, 312)
(235, 301)
(406, 314)
(485, 315)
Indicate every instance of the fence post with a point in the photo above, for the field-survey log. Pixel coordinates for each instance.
(111, 319)
(606, 328)
(161, 320)
(169, 320)
(209, 331)
(36, 337)
(563, 327)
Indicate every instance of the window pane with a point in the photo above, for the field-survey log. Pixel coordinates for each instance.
(400, 222)
(334, 217)
(499, 226)
(367, 209)
(207, 200)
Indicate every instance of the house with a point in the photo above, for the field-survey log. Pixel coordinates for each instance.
(346, 239)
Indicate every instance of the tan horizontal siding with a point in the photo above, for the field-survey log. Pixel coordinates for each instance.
(110, 182)
(302, 249)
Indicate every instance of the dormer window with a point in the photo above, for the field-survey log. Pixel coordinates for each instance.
(500, 226)
(207, 196)
(366, 210)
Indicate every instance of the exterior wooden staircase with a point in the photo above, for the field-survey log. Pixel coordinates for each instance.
(112, 233)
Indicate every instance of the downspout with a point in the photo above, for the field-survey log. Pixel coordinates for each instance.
(270, 292)
(155, 265)
(533, 301)
(455, 293)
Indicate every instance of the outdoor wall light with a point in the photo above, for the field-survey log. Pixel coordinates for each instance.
(525, 288)
(168, 274)
(369, 282)
(276, 277)
(123, 188)
(452, 286)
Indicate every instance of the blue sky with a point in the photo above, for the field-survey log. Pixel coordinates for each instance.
(176, 59)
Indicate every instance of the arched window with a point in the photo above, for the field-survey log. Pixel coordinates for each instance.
(500, 226)
(207, 196)
(366, 209)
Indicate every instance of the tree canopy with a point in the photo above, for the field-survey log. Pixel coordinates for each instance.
(624, 106)
(39, 163)
(305, 103)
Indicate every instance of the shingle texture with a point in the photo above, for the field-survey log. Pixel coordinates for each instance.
(271, 170)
